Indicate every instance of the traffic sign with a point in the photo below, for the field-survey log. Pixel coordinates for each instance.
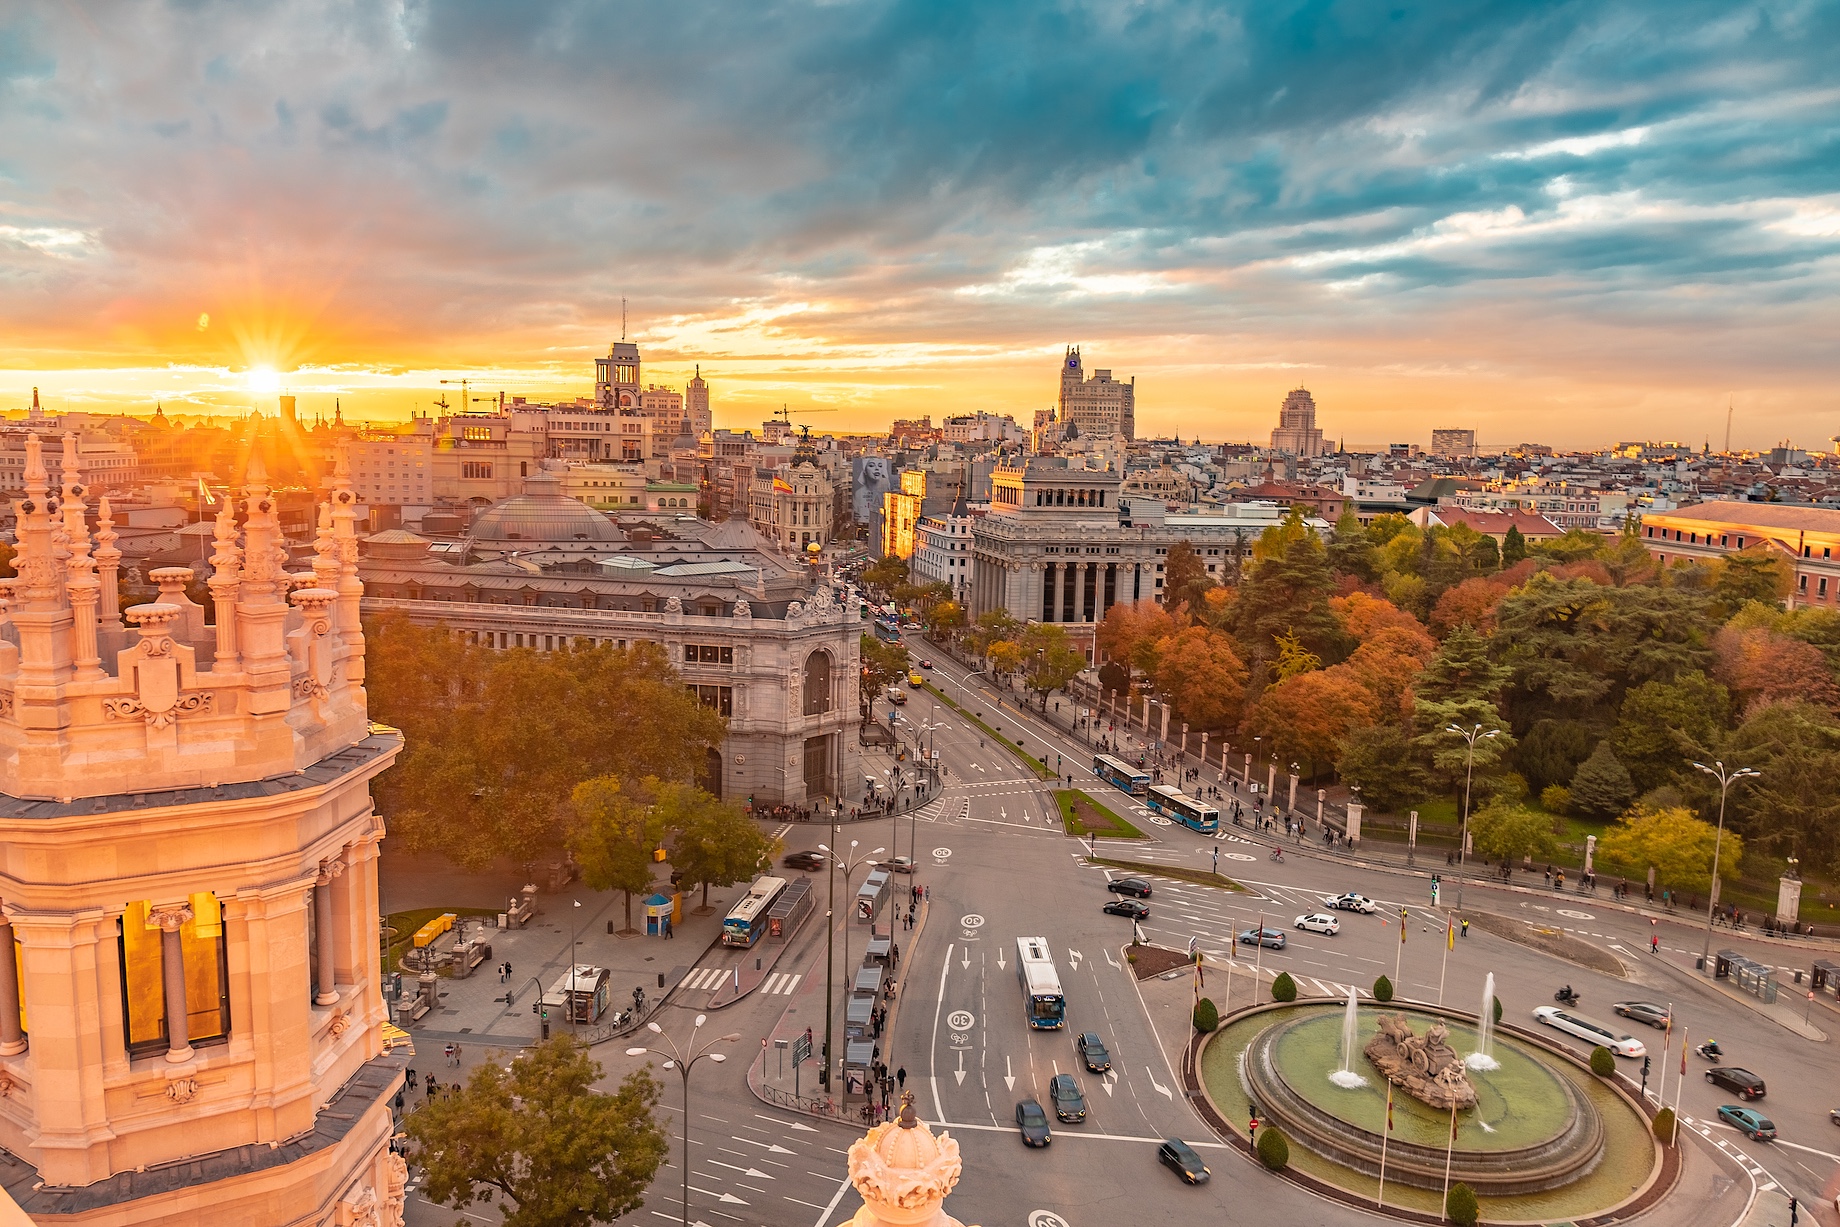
(801, 1049)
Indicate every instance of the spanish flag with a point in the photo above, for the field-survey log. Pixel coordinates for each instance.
(1450, 933)
(781, 486)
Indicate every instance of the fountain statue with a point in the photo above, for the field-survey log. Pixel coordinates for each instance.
(1345, 1077)
(1426, 1068)
(903, 1172)
(1484, 1058)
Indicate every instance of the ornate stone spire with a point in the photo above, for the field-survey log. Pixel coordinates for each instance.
(226, 578)
(41, 602)
(80, 569)
(108, 563)
(345, 540)
(325, 551)
(903, 1173)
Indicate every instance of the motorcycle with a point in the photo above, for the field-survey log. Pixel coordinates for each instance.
(1711, 1051)
(1566, 996)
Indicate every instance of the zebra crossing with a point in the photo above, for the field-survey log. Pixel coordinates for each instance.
(707, 979)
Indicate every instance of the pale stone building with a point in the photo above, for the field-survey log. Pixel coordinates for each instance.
(188, 869)
(1100, 406)
(1297, 432)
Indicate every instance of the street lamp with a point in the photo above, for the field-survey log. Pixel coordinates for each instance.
(682, 1065)
(1470, 737)
(1726, 779)
(830, 936)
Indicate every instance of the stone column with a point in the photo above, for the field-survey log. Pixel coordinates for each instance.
(170, 916)
(322, 920)
(12, 1039)
(1788, 898)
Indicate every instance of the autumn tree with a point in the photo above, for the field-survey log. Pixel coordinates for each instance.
(1306, 718)
(1389, 665)
(1363, 616)
(993, 626)
(882, 663)
(616, 832)
(1676, 843)
(1049, 661)
(1471, 602)
(945, 617)
(712, 842)
(1203, 677)
(1762, 666)
(1185, 580)
(1131, 631)
(537, 1138)
(1505, 831)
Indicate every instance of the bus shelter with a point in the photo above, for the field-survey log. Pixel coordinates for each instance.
(1757, 979)
(1825, 977)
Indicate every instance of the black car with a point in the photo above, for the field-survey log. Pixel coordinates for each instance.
(1069, 1104)
(1654, 1015)
(1093, 1053)
(804, 860)
(1740, 1082)
(1128, 907)
(1137, 888)
(1034, 1124)
(1179, 1156)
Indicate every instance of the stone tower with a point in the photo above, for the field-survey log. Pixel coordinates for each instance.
(190, 1002)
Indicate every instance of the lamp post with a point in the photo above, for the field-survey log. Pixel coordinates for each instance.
(830, 938)
(1470, 737)
(683, 1064)
(1726, 779)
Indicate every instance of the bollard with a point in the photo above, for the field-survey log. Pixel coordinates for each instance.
(661, 979)
(610, 928)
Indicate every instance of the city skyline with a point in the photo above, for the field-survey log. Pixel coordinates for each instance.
(1558, 224)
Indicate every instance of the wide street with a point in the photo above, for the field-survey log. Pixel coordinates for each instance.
(997, 867)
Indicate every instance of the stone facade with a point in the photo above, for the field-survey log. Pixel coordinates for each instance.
(188, 867)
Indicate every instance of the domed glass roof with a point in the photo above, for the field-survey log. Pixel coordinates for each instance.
(543, 513)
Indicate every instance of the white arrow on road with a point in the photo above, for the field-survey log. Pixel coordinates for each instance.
(746, 1171)
(1076, 956)
(1106, 1082)
(1009, 1078)
(730, 1198)
(1109, 958)
(967, 963)
(1161, 1089)
(792, 1124)
(1002, 814)
(959, 1073)
(770, 1147)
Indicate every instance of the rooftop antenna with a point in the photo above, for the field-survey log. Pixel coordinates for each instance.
(1728, 408)
(622, 319)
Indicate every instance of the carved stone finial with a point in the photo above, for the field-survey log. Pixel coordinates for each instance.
(903, 1172)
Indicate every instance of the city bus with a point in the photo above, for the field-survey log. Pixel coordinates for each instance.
(1178, 806)
(1042, 1002)
(887, 631)
(747, 920)
(1120, 774)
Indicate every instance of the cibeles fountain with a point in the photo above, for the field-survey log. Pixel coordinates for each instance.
(1538, 1137)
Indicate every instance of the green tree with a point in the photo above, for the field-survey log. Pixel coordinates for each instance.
(1458, 689)
(1185, 580)
(712, 843)
(1383, 990)
(1274, 1151)
(1602, 1063)
(1664, 725)
(539, 1140)
(1792, 808)
(1287, 590)
(1550, 753)
(1573, 545)
(615, 836)
(882, 663)
(1284, 988)
(1676, 843)
(1389, 768)
(1506, 832)
(495, 740)
(1664, 1126)
(1756, 574)
(1352, 550)
(885, 574)
(1207, 1016)
(1460, 1205)
(1513, 546)
(1049, 661)
(1601, 787)
(1383, 528)
(993, 626)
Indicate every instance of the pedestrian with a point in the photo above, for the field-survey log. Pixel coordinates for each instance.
(456, 1090)
(429, 1085)
(900, 1077)
(507, 969)
(1654, 944)
(1466, 926)
(457, 1051)
(449, 1051)
(412, 1080)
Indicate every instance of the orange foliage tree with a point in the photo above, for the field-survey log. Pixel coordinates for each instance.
(1362, 615)
(1761, 666)
(1304, 718)
(1203, 677)
(1388, 664)
(1472, 601)
(1130, 632)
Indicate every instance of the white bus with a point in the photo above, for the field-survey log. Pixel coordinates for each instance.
(1120, 774)
(747, 920)
(1042, 1002)
(1175, 804)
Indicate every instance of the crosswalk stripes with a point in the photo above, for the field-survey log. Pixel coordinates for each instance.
(782, 983)
(704, 979)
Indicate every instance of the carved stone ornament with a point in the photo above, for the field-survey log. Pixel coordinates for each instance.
(904, 1172)
(7, 1085)
(182, 1090)
(395, 1189)
(796, 609)
(169, 917)
(340, 1024)
(1428, 1068)
(6, 702)
(133, 709)
(673, 605)
(742, 609)
(360, 1209)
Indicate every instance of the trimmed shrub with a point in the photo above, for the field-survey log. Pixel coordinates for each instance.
(1664, 1126)
(1207, 1016)
(1557, 798)
(1284, 988)
(1383, 990)
(1460, 1205)
(1602, 1063)
(1497, 1010)
(1274, 1151)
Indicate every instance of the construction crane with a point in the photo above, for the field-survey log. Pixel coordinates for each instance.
(466, 401)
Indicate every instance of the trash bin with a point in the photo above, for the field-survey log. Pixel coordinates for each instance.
(1699, 962)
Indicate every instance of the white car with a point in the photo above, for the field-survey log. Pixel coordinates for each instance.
(1591, 1032)
(1318, 922)
(1352, 902)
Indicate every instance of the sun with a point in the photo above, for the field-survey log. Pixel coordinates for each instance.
(263, 380)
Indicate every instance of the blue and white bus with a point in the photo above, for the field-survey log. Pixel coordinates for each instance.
(1178, 806)
(747, 920)
(1120, 774)
(1042, 1002)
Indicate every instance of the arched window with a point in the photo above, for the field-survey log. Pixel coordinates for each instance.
(818, 683)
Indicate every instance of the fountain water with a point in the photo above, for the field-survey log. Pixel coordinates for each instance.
(1482, 1058)
(1345, 1076)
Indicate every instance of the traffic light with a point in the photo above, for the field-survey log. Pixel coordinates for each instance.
(1645, 1061)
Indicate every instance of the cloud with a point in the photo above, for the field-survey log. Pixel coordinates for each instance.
(1553, 206)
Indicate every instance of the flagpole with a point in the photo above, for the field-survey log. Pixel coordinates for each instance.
(1380, 1195)
(1450, 1149)
(1449, 941)
(1399, 957)
(1678, 1083)
(1667, 1045)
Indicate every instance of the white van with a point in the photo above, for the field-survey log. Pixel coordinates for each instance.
(1592, 1032)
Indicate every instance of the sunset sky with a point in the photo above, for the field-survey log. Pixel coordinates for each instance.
(1567, 223)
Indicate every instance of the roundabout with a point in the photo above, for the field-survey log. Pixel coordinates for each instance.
(1535, 1135)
